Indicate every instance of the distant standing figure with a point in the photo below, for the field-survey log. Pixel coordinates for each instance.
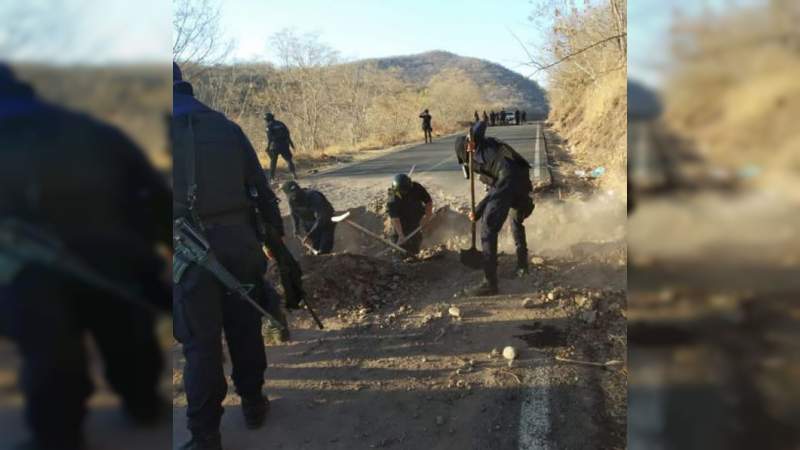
(502, 118)
(426, 126)
(279, 143)
(516, 117)
(492, 117)
(524, 117)
(477, 117)
(485, 117)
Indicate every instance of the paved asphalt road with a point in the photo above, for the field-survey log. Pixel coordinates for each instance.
(436, 165)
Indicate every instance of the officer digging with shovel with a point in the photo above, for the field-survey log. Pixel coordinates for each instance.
(311, 213)
(408, 205)
(508, 176)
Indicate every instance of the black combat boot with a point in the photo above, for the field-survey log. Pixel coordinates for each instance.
(522, 265)
(204, 441)
(147, 413)
(484, 289)
(255, 410)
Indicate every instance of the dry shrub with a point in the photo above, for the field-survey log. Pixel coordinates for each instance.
(588, 87)
(735, 90)
(333, 107)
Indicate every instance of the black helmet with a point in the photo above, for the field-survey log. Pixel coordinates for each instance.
(477, 132)
(401, 183)
(269, 117)
(294, 193)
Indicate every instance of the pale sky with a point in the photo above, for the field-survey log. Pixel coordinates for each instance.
(87, 31)
(364, 29)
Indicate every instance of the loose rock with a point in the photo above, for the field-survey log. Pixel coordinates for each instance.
(454, 311)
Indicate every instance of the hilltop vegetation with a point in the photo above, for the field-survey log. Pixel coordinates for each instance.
(500, 86)
(333, 106)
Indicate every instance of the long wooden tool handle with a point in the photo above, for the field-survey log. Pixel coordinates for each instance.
(380, 238)
(408, 236)
(472, 194)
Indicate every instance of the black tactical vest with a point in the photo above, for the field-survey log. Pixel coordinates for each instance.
(206, 142)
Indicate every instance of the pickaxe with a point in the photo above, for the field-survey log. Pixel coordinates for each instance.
(344, 218)
(408, 237)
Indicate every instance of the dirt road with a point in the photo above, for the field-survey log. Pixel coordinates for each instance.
(396, 368)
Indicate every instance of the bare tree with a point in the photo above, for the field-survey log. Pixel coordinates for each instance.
(198, 38)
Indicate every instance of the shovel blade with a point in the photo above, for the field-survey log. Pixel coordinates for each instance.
(471, 258)
(341, 217)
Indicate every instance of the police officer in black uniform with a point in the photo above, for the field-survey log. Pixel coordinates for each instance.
(427, 128)
(492, 117)
(516, 117)
(217, 181)
(279, 143)
(92, 192)
(407, 205)
(485, 117)
(311, 213)
(507, 175)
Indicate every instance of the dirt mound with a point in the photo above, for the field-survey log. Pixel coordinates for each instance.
(344, 281)
(350, 240)
(449, 228)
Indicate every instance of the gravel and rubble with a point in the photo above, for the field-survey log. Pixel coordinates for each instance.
(404, 345)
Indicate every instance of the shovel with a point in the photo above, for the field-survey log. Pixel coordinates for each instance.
(471, 257)
(344, 218)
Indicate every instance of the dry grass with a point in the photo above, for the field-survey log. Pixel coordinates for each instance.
(334, 108)
(136, 99)
(338, 109)
(588, 90)
(736, 93)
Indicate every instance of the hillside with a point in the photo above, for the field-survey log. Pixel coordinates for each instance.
(501, 86)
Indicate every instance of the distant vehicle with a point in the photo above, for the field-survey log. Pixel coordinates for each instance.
(509, 117)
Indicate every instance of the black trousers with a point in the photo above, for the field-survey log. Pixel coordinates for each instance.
(203, 309)
(520, 205)
(273, 161)
(428, 134)
(322, 239)
(49, 315)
